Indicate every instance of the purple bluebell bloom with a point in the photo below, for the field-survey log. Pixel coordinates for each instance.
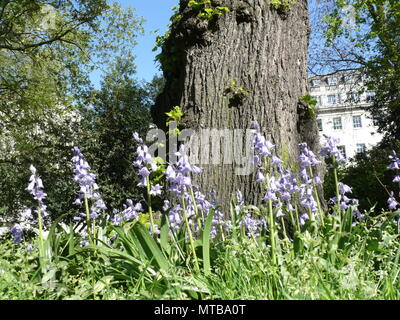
(307, 158)
(344, 188)
(137, 138)
(392, 202)
(17, 233)
(156, 190)
(260, 177)
(394, 161)
(330, 149)
(87, 184)
(253, 226)
(304, 218)
(166, 205)
(35, 188)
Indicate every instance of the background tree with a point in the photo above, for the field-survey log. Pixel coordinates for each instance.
(369, 177)
(119, 108)
(261, 47)
(47, 51)
(362, 35)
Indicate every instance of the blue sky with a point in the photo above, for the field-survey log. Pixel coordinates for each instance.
(157, 14)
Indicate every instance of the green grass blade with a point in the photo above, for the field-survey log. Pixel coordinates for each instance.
(206, 242)
(164, 233)
(150, 246)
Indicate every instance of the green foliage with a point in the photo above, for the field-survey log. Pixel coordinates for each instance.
(237, 93)
(121, 107)
(369, 178)
(360, 262)
(311, 105)
(364, 34)
(282, 5)
(174, 118)
(48, 64)
(47, 51)
(206, 9)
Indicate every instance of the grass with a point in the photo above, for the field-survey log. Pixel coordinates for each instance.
(318, 263)
(326, 256)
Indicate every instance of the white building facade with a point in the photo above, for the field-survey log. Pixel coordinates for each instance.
(341, 102)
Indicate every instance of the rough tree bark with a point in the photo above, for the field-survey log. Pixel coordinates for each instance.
(264, 50)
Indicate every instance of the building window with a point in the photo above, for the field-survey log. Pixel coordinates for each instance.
(315, 83)
(348, 79)
(332, 81)
(357, 122)
(369, 96)
(360, 148)
(342, 150)
(319, 124)
(317, 98)
(337, 123)
(332, 99)
(375, 120)
(353, 97)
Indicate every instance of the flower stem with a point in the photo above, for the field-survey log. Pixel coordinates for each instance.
(149, 205)
(88, 219)
(271, 226)
(339, 211)
(321, 213)
(189, 233)
(42, 253)
(196, 209)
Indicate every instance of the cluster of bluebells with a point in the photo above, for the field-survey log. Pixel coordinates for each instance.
(146, 164)
(252, 225)
(26, 219)
(394, 165)
(130, 212)
(88, 187)
(26, 223)
(178, 176)
(35, 188)
(282, 186)
(346, 202)
(309, 179)
(330, 149)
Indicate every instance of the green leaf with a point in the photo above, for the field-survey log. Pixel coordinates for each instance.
(175, 114)
(206, 241)
(150, 246)
(164, 233)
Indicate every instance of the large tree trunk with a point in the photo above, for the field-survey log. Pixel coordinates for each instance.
(264, 50)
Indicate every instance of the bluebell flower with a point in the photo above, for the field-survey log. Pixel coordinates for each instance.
(137, 138)
(253, 226)
(304, 218)
(260, 177)
(156, 190)
(87, 184)
(166, 205)
(344, 188)
(394, 161)
(330, 149)
(392, 202)
(17, 233)
(307, 158)
(35, 188)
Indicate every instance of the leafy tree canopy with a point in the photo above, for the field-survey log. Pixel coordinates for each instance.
(362, 35)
